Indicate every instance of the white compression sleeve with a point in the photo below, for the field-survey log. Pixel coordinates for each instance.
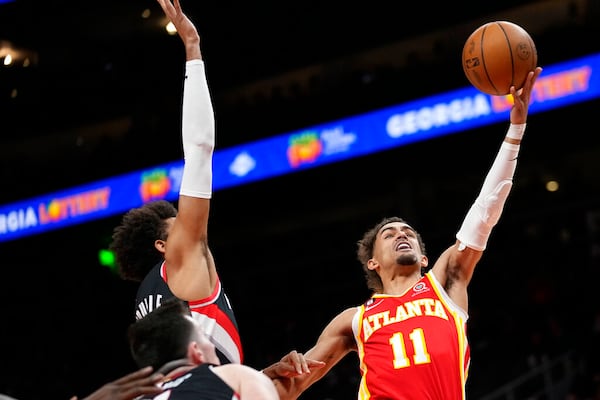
(198, 133)
(485, 212)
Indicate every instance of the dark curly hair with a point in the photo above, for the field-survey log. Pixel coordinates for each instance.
(365, 252)
(133, 240)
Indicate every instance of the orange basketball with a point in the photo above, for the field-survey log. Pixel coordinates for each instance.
(497, 56)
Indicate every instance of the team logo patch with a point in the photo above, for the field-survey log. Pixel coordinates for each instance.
(371, 304)
(420, 287)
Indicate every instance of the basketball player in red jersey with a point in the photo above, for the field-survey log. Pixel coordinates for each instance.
(410, 336)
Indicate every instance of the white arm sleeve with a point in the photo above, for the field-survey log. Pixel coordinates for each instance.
(485, 212)
(198, 133)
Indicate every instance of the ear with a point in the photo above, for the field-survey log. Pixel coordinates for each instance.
(160, 245)
(424, 261)
(372, 264)
(194, 354)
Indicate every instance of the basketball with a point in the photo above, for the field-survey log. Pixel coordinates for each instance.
(498, 55)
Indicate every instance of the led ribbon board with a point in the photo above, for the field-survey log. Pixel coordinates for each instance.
(456, 111)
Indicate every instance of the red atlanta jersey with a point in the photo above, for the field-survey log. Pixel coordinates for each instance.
(412, 346)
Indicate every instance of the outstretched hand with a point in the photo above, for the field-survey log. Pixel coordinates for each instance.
(184, 26)
(128, 387)
(522, 98)
(291, 365)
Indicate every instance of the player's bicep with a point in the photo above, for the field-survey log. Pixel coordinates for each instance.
(191, 273)
(334, 343)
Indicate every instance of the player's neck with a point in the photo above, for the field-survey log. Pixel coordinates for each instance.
(400, 283)
(176, 368)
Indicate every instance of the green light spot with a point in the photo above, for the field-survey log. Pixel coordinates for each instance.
(107, 258)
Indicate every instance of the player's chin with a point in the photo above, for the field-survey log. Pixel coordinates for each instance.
(407, 259)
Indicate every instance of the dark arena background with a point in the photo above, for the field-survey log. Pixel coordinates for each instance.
(101, 96)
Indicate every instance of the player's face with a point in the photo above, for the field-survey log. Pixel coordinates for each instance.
(397, 242)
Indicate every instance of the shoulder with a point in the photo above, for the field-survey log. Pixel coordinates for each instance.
(349, 313)
(239, 369)
(234, 374)
(344, 318)
(154, 283)
(154, 273)
(340, 327)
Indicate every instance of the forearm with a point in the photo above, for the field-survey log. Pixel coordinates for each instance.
(487, 208)
(198, 132)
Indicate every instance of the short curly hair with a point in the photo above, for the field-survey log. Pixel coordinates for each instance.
(365, 252)
(133, 240)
